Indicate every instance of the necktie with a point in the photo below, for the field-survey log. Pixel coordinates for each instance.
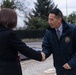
(58, 33)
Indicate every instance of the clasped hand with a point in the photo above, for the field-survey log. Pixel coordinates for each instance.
(66, 66)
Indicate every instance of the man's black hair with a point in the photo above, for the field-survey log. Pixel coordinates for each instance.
(57, 12)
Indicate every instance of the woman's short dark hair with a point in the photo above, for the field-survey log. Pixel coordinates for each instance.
(8, 18)
(57, 12)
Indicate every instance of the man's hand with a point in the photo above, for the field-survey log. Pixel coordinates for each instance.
(43, 56)
(66, 66)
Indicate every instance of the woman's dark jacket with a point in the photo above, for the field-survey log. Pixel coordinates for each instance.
(10, 44)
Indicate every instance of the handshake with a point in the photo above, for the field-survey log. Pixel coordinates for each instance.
(43, 56)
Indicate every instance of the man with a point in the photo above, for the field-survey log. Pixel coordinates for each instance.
(60, 40)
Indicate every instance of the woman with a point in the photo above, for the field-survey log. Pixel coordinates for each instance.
(10, 44)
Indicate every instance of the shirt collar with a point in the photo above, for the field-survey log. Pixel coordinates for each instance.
(60, 28)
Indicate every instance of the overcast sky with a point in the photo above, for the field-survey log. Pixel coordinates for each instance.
(66, 6)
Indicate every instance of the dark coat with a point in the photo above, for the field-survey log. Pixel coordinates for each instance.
(63, 50)
(10, 44)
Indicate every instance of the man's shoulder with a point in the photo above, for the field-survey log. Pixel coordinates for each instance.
(73, 28)
(71, 25)
(50, 29)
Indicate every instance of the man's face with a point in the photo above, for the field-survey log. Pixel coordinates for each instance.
(53, 21)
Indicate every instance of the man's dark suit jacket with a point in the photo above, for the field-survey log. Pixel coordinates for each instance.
(63, 50)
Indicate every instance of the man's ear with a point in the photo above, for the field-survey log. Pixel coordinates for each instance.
(60, 19)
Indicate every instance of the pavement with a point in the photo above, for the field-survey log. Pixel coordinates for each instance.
(33, 67)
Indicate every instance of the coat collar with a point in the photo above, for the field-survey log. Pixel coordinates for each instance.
(66, 28)
(2, 28)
